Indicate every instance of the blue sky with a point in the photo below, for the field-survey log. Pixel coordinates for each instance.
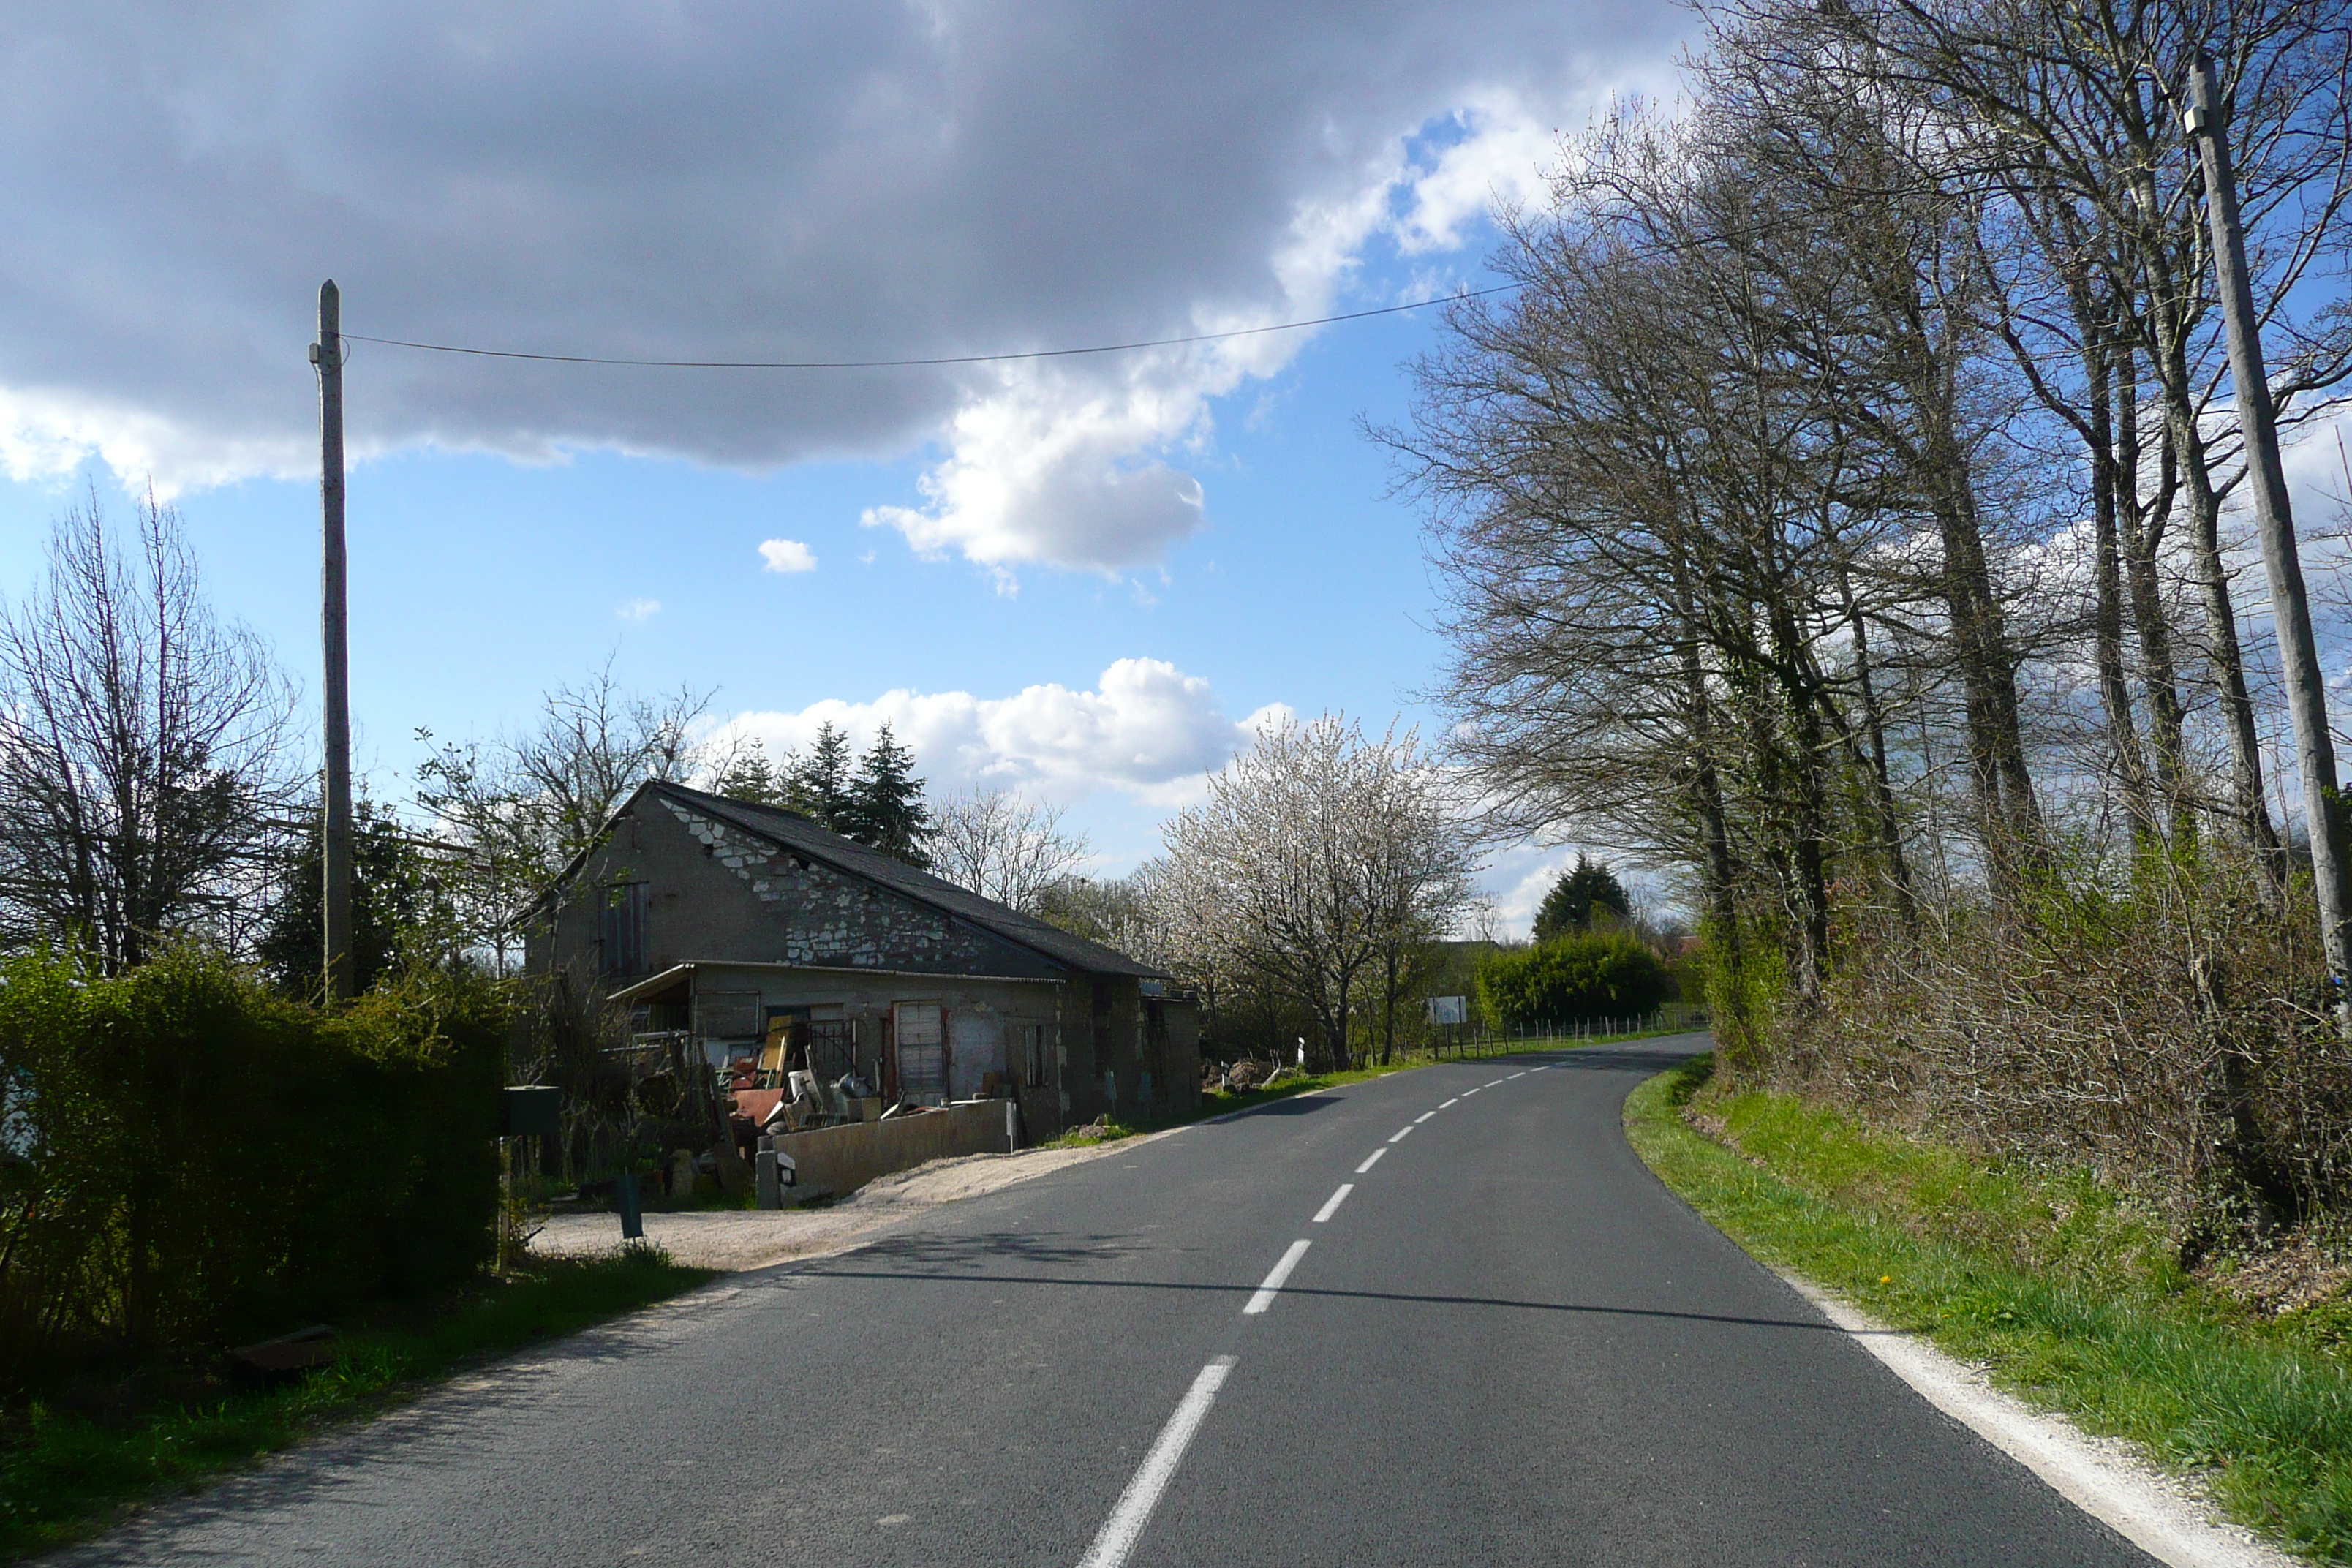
(1080, 579)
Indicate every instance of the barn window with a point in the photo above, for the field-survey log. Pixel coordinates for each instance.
(621, 929)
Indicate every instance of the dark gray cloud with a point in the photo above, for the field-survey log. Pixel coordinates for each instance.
(728, 181)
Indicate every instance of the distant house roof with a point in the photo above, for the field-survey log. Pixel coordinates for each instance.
(791, 830)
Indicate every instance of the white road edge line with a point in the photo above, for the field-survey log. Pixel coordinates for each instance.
(1115, 1543)
(1451, 1103)
(1373, 1161)
(1272, 1285)
(1333, 1207)
(2102, 1478)
(1401, 1133)
(1422, 1117)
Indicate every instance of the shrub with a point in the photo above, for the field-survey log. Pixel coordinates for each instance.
(192, 1160)
(1572, 979)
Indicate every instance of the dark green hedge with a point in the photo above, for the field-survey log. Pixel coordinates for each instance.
(191, 1160)
(1572, 980)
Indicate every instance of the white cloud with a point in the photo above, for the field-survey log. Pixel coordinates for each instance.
(787, 555)
(1146, 731)
(639, 610)
(744, 182)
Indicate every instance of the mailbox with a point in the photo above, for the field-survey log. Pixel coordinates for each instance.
(532, 1111)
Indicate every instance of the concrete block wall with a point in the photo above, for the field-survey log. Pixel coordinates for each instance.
(843, 1159)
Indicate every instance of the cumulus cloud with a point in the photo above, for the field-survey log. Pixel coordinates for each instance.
(787, 555)
(639, 610)
(1147, 730)
(743, 181)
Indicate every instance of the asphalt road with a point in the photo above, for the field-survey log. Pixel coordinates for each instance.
(1506, 1344)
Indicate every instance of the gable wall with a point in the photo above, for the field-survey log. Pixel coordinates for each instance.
(716, 893)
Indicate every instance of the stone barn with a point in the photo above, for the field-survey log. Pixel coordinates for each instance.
(739, 925)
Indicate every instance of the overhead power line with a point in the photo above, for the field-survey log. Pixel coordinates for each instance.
(937, 360)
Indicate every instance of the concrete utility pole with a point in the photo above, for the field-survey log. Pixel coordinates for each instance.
(335, 835)
(2307, 687)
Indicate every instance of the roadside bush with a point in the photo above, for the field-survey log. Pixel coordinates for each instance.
(2164, 1021)
(1572, 980)
(192, 1160)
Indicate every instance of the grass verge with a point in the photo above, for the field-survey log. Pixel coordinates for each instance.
(1226, 1103)
(2068, 1294)
(71, 1466)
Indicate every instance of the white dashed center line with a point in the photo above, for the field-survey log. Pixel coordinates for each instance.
(1332, 1206)
(1490, 1083)
(1518, 1074)
(1272, 1285)
(1400, 1134)
(1468, 1092)
(1545, 1068)
(1116, 1541)
(1422, 1117)
(1371, 1163)
(1451, 1103)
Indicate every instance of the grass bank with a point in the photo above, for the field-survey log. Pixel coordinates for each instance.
(1226, 1103)
(2069, 1295)
(75, 1461)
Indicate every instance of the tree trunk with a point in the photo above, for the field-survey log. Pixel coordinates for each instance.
(2142, 527)
(2247, 806)
(2107, 611)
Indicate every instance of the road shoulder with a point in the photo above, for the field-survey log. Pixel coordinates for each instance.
(1803, 1237)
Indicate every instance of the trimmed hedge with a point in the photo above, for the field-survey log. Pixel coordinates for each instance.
(1572, 980)
(188, 1159)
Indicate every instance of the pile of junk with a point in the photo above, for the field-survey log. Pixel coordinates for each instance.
(781, 1086)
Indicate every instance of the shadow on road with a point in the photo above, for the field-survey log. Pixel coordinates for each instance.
(1612, 1059)
(966, 1251)
(1297, 1105)
(967, 1248)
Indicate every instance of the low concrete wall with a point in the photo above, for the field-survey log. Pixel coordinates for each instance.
(843, 1159)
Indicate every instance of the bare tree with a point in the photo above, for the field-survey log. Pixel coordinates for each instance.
(142, 745)
(519, 809)
(1003, 846)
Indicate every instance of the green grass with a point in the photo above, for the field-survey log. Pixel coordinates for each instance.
(71, 1465)
(2067, 1293)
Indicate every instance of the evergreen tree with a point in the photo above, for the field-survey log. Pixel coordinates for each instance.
(747, 774)
(394, 902)
(886, 802)
(1578, 897)
(818, 784)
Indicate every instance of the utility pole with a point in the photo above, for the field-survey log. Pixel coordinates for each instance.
(335, 828)
(2307, 687)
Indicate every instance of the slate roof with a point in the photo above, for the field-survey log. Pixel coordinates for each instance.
(791, 830)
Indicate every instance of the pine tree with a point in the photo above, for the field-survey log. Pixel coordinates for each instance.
(749, 776)
(396, 910)
(886, 804)
(818, 784)
(1578, 897)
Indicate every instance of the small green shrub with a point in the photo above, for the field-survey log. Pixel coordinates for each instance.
(1571, 980)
